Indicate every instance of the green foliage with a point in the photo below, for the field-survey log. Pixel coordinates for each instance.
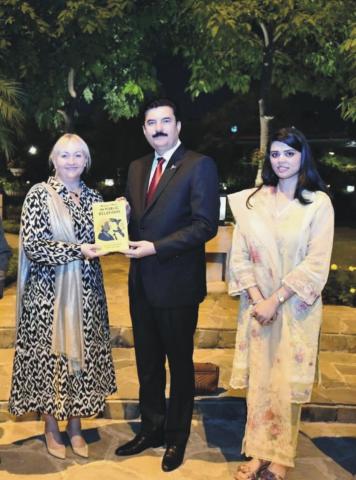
(103, 43)
(348, 102)
(14, 186)
(11, 116)
(309, 44)
(341, 288)
(340, 162)
(111, 46)
(88, 95)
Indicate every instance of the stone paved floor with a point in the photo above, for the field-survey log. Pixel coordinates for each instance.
(331, 391)
(325, 450)
(212, 453)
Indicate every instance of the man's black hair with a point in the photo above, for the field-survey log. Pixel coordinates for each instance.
(160, 102)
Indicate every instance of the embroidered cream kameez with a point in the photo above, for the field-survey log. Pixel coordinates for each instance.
(277, 363)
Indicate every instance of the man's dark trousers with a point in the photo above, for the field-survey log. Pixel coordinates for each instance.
(161, 332)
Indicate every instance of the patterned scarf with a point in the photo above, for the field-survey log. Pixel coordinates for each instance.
(67, 333)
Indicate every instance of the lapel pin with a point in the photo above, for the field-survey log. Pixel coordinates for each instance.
(173, 167)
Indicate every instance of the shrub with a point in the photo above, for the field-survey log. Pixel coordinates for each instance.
(341, 287)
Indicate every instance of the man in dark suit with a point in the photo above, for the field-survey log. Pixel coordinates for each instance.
(173, 195)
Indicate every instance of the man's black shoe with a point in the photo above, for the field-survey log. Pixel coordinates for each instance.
(173, 457)
(140, 443)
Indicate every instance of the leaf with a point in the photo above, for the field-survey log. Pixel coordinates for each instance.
(214, 30)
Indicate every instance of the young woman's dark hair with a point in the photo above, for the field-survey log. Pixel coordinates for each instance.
(160, 102)
(308, 177)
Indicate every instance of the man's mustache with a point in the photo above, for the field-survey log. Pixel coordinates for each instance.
(159, 134)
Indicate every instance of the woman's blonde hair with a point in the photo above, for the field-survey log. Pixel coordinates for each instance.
(65, 139)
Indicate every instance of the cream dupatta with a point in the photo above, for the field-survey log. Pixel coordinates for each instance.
(67, 333)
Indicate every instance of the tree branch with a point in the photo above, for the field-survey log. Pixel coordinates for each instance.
(71, 88)
(265, 33)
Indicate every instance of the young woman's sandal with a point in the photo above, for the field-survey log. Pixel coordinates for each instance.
(266, 474)
(250, 474)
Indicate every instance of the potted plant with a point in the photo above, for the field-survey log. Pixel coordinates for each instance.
(17, 166)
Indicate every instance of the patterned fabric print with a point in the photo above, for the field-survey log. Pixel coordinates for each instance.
(40, 379)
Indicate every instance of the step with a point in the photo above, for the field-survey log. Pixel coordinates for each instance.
(333, 400)
(216, 326)
(204, 338)
(217, 314)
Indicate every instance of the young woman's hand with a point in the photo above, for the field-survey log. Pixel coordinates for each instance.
(265, 310)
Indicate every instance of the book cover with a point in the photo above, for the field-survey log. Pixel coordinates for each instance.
(110, 226)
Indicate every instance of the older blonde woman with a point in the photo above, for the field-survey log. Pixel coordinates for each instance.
(279, 265)
(63, 365)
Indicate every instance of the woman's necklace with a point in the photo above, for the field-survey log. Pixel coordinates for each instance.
(77, 195)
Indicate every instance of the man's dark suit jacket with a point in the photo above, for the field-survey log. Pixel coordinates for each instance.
(181, 217)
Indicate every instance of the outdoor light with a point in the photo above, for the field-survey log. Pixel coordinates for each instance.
(234, 129)
(351, 144)
(350, 188)
(32, 150)
(331, 153)
(109, 182)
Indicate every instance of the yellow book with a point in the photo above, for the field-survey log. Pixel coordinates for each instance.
(110, 226)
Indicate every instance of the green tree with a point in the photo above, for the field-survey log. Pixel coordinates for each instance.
(348, 103)
(296, 46)
(67, 53)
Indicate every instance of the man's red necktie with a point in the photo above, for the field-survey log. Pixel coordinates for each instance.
(155, 180)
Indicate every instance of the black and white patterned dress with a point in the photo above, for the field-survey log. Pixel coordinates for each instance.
(40, 380)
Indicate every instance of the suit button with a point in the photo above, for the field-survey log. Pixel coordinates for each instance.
(142, 228)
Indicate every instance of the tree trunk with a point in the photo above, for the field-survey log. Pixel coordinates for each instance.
(263, 102)
(264, 134)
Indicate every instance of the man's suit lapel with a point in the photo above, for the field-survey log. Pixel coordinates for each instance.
(170, 170)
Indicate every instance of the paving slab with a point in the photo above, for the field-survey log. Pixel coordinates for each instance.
(332, 400)
(217, 427)
(216, 323)
(212, 453)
